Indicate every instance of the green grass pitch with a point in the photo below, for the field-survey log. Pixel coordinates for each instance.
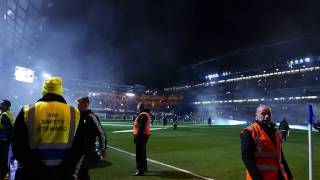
(212, 152)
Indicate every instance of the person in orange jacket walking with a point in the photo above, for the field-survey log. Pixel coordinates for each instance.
(261, 147)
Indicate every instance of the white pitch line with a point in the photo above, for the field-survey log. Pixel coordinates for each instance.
(126, 125)
(163, 164)
(131, 130)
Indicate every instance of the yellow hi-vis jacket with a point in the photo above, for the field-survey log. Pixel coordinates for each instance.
(51, 129)
(3, 131)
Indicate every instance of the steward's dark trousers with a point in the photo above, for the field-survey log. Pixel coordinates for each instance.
(284, 135)
(84, 170)
(141, 155)
(4, 150)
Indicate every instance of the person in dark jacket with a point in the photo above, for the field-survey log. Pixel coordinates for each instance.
(141, 132)
(6, 129)
(164, 120)
(31, 163)
(93, 130)
(175, 121)
(209, 121)
(317, 126)
(284, 129)
(248, 146)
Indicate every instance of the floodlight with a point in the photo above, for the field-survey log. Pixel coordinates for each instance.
(46, 75)
(24, 74)
(130, 94)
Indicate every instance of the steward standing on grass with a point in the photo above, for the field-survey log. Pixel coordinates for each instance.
(141, 132)
(164, 120)
(175, 121)
(317, 126)
(261, 147)
(48, 139)
(284, 129)
(6, 130)
(209, 121)
(93, 129)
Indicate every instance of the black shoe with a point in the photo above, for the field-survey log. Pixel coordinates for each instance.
(138, 173)
(145, 169)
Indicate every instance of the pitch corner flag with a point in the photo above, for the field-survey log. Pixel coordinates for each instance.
(310, 145)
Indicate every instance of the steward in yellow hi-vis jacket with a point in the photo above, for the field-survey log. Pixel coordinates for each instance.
(6, 128)
(48, 140)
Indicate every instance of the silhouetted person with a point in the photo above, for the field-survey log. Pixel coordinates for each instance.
(284, 129)
(6, 130)
(164, 121)
(175, 122)
(317, 126)
(141, 133)
(209, 121)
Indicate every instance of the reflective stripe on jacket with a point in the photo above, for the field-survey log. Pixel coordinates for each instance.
(3, 130)
(51, 129)
(147, 124)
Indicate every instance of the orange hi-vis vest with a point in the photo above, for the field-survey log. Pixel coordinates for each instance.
(266, 154)
(51, 128)
(147, 126)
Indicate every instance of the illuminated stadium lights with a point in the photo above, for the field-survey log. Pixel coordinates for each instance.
(24, 74)
(211, 76)
(226, 73)
(277, 73)
(299, 61)
(206, 102)
(9, 12)
(93, 94)
(307, 59)
(46, 75)
(216, 75)
(130, 94)
(258, 100)
(279, 99)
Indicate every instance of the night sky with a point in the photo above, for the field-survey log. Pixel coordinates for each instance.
(155, 43)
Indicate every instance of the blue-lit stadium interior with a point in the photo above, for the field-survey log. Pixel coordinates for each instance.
(287, 88)
(201, 67)
(227, 94)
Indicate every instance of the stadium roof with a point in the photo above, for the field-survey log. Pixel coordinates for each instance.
(154, 43)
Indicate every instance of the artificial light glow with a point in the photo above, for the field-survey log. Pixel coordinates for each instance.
(307, 59)
(130, 94)
(24, 74)
(9, 12)
(46, 75)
